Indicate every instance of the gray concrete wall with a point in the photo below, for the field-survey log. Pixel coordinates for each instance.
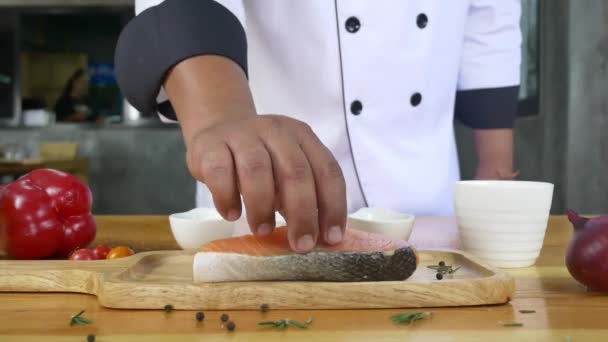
(587, 129)
(132, 170)
(554, 97)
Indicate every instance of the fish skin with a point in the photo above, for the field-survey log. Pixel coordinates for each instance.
(360, 257)
(313, 266)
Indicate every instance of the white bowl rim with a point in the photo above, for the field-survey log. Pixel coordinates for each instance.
(513, 184)
(380, 215)
(210, 214)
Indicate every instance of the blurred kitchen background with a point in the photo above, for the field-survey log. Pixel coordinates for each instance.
(136, 165)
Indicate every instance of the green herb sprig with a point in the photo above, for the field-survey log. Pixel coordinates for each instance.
(281, 324)
(78, 319)
(442, 269)
(527, 311)
(445, 269)
(409, 317)
(511, 324)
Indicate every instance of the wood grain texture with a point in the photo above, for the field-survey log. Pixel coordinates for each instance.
(563, 307)
(150, 280)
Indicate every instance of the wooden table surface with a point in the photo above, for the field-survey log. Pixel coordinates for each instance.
(565, 311)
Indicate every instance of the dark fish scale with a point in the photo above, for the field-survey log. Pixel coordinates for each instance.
(347, 266)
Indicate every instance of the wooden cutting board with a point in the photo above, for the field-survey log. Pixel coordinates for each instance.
(152, 280)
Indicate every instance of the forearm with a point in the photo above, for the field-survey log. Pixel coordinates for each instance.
(494, 149)
(197, 51)
(205, 90)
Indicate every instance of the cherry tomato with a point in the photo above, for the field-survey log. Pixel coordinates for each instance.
(120, 252)
(82, 254)
(101, 251)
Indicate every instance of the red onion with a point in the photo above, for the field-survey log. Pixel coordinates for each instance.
(587, 255)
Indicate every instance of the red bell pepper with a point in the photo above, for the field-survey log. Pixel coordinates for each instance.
(45, 213)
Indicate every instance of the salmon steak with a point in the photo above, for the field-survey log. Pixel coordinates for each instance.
(360, 257)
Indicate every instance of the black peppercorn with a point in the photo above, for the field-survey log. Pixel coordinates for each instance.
(168, 308)
(91, 338)
(224, 317)
(264, 307)
(230, 326)
(439, 276)
(441, 263)
(200, 316)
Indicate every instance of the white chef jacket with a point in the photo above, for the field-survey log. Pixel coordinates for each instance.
(402, 60)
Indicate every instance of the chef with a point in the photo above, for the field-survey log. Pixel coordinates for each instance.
(317, 108)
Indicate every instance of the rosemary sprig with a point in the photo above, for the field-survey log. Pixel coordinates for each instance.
(409, 317)
(527, 311)
(444, 268)
(281, 324)
(297, 324)
(78, 319)
(511, 324)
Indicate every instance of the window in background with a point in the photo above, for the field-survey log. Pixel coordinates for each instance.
(529, 89)
(55, 45)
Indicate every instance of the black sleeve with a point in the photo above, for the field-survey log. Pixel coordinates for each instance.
(163, 35)
(487, 108)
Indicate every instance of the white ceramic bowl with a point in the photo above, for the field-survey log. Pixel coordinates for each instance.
(242, 227)
(193, 228)
(382, 221)
(503, 223)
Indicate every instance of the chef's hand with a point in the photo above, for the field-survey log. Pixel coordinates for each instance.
(273, 161)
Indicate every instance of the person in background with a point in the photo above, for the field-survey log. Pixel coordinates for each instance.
(73, 104)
